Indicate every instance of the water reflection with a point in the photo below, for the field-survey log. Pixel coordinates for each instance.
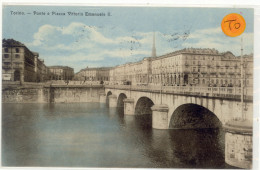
(93, 135)
(18, 134)
(198, 148)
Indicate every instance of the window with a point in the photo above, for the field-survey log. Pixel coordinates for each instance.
(6, 50)
(7, 63)
(17, 50)
(6, 56)
(17, 56)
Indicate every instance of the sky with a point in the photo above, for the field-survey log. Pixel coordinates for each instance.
(124, 34)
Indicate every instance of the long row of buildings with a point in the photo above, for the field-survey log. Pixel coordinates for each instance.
(194, 67)
(21, 64)
(186, 67)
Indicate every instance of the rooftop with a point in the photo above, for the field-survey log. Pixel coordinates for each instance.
(96, 68)
(59, 67)
(13, 43)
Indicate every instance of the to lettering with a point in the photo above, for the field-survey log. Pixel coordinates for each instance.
(235, 25)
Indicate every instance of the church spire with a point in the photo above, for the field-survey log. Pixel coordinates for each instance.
(153, 49)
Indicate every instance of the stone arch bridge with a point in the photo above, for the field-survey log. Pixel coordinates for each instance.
(180, 106)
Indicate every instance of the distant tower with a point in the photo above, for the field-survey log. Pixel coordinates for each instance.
(153, 49)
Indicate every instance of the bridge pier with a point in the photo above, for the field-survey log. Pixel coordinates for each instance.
(160, 116)
(40, 96)
(102, 97)
(129, 107)
(112, 99)
(239, 143)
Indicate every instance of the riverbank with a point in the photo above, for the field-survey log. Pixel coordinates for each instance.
(14, 92)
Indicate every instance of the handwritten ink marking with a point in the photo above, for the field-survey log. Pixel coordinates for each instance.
(233, 25)
(175, 39)
(238, 25)
(230, 21)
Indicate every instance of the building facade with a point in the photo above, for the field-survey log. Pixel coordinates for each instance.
(61, 73)
(201, 67)
(42, 71)
(191, 66)
(21, 64)
(93, 74)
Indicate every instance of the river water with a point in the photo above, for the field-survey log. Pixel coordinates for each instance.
(93, 135)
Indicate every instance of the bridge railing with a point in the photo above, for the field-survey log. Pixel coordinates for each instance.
(228, 92)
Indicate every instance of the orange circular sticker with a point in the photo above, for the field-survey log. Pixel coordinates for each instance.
(233, 25)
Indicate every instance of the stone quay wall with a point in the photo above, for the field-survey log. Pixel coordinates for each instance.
(42, 93)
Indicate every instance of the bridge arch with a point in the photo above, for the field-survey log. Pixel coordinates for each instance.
(193, 116)
(120, 101)
(108, 94)
(143, 106)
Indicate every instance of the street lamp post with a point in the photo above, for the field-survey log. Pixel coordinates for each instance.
(161, 83)
(242, 81)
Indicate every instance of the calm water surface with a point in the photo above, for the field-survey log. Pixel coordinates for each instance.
(92, 135)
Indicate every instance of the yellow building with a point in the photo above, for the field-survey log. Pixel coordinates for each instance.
(190, 66)
(93, 74)
(200, 67)
(61, 73)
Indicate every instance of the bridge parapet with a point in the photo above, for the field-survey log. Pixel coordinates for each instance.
(218, 92)
(75, 86)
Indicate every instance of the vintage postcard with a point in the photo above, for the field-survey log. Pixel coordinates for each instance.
(127, 87)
